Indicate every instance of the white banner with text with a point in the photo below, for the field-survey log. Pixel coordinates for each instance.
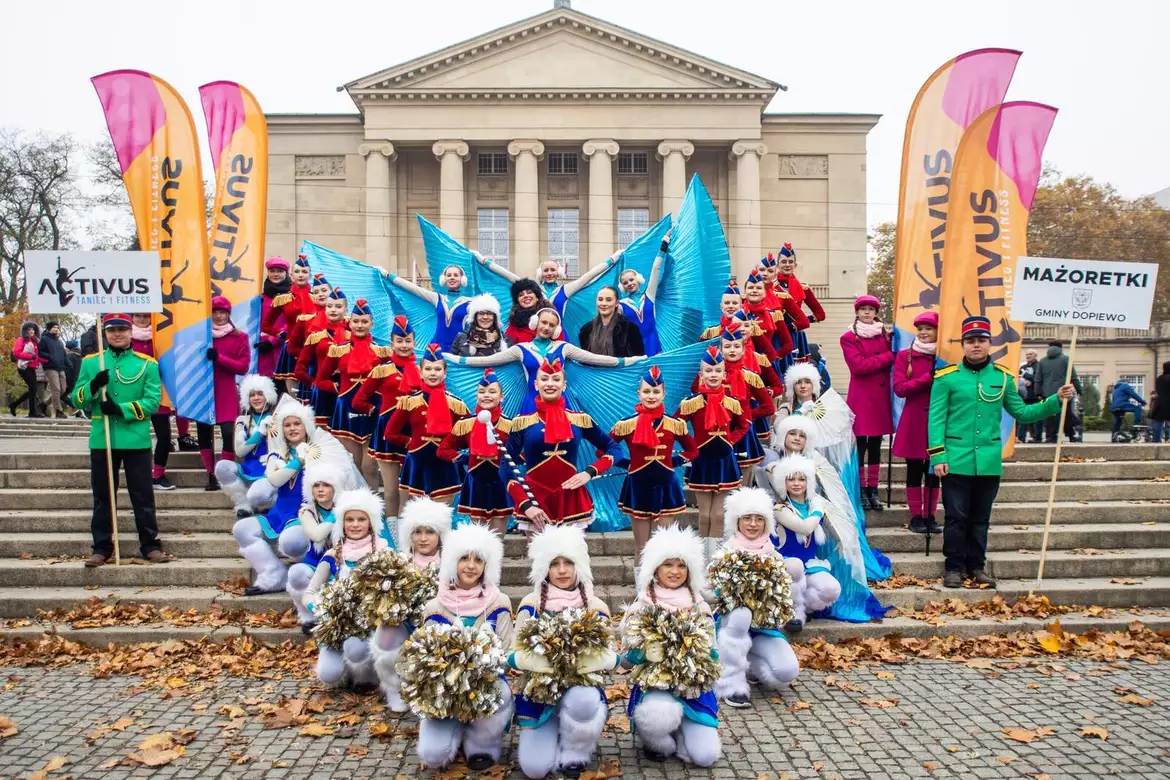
(97, 282)
(1094, 293)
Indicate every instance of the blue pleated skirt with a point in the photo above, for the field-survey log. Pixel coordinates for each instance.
(382, 448)
(424, 474)
(286, 364)
(348, 424)
(650, 492)
(323, 403)
(483, 495)
(748, 450)
(716, 469)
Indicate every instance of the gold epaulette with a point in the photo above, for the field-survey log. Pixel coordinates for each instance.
(313, 338)
(732, 405)
(753, 379)
(762, 359)
(504, 425)
(524, 422)
(306, 317)
(1005, 369)
(463, 427)
(804, 286)
(456, 405)
(674, 425)
(777, 315)
(339, 350)
(383, 370)
(580, 419)
(625, 427)
(691, 404)
(383, 352)
(782, 294)
(281, 300)
(947, 370)
(711, 332)
(408, 403)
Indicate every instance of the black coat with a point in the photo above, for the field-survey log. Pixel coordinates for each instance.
(52, 349)
(627, 339)
(1161, 408)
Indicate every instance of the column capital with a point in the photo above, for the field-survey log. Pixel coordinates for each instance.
(520, 146)
(443, 148)
(740, 148)
(667, 148)
(384, 147)
(598, 145)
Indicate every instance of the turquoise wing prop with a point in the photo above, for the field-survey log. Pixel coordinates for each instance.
(442, 251)
(358, 280)
(608, 395)
(638, 256)
(696, 271)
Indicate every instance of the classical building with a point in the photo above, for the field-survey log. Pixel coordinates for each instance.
(564, 136)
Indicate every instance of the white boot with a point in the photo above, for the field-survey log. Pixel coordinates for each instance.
(581, 715)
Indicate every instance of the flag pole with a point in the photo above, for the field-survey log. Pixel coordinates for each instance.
(1072, 351)
(109, 453)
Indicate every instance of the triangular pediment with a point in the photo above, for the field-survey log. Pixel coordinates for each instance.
(559, 50)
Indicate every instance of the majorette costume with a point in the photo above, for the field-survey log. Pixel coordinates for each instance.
(282, 489)
(281, 318)
(748, 388)
(311, 319)
(640, 309)
(439, 740)
(789, 316)
(353, 660)
(651, 488)
(718, 422)
(251, 444)
(913, 378)
(317, 345)
(666, 723)
(546, 442)
(388, 382)
(484, 494)
(316, 522)
(761, 652)
(272, 337)
(560, 737)
(450, 307)
(353, 360)
(769, 316)
(385, 642)
(554, 292)
(756, 355)
(429, 414)
(802, 295)
(869, 354)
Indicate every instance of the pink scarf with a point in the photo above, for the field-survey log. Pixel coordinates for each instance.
(219, 331)
(922, 348)
(467, 602)
(422, 561)
(872, 330)
(557, 600)
(353, 550)
(670, 599)
(759, 546)
(138, 333)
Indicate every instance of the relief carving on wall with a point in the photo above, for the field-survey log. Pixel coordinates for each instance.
(320, 166)
(563, 187)
(634, 187)
(491, 187)
(803, 166)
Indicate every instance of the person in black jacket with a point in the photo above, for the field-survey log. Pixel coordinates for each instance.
(52, 349)
(89, 341)
(1160, 406)
(610, 333)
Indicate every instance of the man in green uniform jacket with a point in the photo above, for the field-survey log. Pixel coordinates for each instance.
(966, 405)
(130, 396)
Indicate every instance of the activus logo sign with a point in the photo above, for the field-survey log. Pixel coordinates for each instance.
(99, 282)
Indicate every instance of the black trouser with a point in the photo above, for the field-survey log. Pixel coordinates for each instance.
(1070, 425)
(917, 470)
(141, 490)
(162, 433)
(869, 449)
(205, 433)
(29, 376)
(967, 501)
(1036, 429)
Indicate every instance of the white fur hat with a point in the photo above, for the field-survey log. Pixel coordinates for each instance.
(423, 512)
(556, 541)
(795, 422)
(472, 539)
(291, 407)
(535, 318)
(360, 500)
(253, 382)
(802, 371)
(747, 501)
(328, 473)
(789, 465)
(481, 303)
(668, 543)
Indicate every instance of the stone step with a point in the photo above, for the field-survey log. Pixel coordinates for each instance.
(1061, 564)
(1133, 536)
(1033, 453)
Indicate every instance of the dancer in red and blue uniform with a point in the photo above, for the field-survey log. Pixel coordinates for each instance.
(801, 294)
(311, 319)
(333, 331)
(789, 315)
(754, 398)
(353, 360)
(280, 319)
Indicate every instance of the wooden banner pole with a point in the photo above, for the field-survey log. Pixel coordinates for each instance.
(109, 453)
(1072, 352)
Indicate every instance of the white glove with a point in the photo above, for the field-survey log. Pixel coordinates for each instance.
(302, 451)
(265, 426)
(601, 661)
(532, 662)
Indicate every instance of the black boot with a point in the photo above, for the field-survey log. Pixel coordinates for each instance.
(212, 482)
(932, 526)
(875, 503)
(918, 525)
(572, 771)
(479, 762)
(654, 755)
(188, 444)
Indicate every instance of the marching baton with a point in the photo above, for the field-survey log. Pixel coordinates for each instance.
(485, 417)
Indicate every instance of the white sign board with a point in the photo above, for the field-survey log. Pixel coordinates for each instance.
(1095, 293)
(99, 282)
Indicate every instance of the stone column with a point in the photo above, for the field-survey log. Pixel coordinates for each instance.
(602, 218)
(526, 220)
(451, 156)
(380, 200)
(674, 156)
(747, 205)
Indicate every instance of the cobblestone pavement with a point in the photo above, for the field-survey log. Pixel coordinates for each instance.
(947, 721)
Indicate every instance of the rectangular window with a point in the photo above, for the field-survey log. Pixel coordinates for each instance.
(493, 235)
(564, 239)
(633, 163)
(631, 224)
(1136, 381)
(493, 164)
(562, 163)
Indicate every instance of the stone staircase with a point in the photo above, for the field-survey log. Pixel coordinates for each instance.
(1109, 546)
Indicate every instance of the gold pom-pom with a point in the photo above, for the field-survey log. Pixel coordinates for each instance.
(564, 639)
(759, 582)
(685, 640)
(339, 614)
(391, 589)
(451, 672)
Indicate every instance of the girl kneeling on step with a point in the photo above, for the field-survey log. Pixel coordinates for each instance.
(257, 401)
(323, 484)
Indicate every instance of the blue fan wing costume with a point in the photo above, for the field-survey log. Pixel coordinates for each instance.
(442, 251)
(360, 280)
(696, 270)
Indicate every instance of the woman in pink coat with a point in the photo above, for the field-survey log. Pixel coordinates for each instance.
(276, 283)
(869, 355)
(913, 376)
(230, 356)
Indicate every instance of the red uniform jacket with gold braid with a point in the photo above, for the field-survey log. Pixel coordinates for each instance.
(669, 430)
(784, 304)
(459, 439)
(802, 295)
(306, 322)
(385, 381)
(314, 353)
(338, 360)
(412, 413)
(693, 409)
(754, 390)
(760, 342)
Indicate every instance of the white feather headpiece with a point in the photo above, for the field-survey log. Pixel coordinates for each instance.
(556, 541)
(477, 540)
(359, 500)
(669, 543)
(798, 372)
(423, 512)
(793, 464)
(795, 422)
(252, 383)
(291, 407)
(748, 501)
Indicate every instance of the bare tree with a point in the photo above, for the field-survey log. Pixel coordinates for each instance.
(112, 225)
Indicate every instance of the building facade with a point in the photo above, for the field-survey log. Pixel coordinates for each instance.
(564, 136)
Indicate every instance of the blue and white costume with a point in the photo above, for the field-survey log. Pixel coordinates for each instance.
(450, 306)
(639, 308)
(316, 522)
(556, 293)
(251, 445)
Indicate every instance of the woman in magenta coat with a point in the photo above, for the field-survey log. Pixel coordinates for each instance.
(869, 355)
(913, 376)
(230, 355)
(276, 282)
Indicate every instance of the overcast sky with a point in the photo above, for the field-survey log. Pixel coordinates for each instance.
(1103, 64)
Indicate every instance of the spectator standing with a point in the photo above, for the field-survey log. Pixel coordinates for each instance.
(868, 353)
(1027, 389)
(1047, 379)
(1160, 405)
(28, 359)
(481, 334)
(913, 376)
(1125, 399)
(72, 366)
(610, 333)
(89, 341)
(52, 351)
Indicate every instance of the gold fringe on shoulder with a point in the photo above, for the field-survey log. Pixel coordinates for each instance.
(408, 403)
(339, 350)
(692, 404)
(674, 425)
(753, 379)
(523, 422)
(580, 419)
(711, 333)
(306, 317)
(383, 352)
(732, 405)
(282, 300)
(463, 427)
(626, 427)
(384, 370)
(313, 338)
(456, 405)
